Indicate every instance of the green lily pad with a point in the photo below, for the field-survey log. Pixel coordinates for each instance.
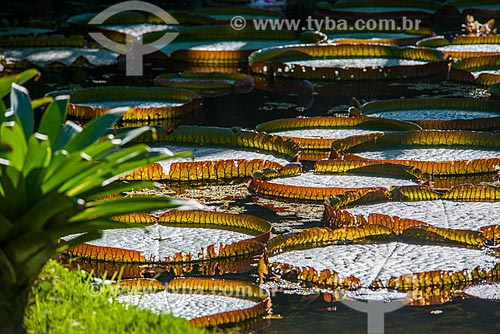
(381, 262)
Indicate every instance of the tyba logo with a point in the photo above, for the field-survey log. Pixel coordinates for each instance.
(133, 49)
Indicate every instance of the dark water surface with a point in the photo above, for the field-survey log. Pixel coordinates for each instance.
(311, 314)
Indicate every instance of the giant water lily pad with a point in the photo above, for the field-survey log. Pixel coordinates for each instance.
(385, 262)
(462, 47)
(179, 237)
(484, 291)
(221, 44)
(208, 164)
(433, 152)
(384, 36)
(347, 62)
(446, 114)
(455, 215)
(213, 163)
(53, 51)
(439, 213)
(150, 103)
(309, 186)
(346, 181)
(318, 133)
(430, 154)
(486, 69)
(226, 137)
(204, 302)
(63, 56)
(208, 84)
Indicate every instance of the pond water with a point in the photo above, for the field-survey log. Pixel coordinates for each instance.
(303, 313)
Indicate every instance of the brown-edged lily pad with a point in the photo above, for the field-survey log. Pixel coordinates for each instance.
(179, 237)
(219, 44)
(442, 114)
(462, 47)
(486, 69)
(318, 133)
(204, 302)
(208, 84)
(383, 264)
(347, 62)
(147, 103)
(53, 52)
(309, 186)
(434, 152)
(383, 36)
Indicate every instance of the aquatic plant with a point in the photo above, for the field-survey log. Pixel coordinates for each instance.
(51, 179)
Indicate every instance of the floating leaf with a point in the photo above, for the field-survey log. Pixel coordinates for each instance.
(203, 170)
(440, 114)
(208, 84)
(232, 137)
(333, 122)
(187, 298)
(146, 103)
(318, 187)
(394, 265)
(163, 240)
(347, 62)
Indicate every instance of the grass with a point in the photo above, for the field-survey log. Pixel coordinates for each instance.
(64, 301)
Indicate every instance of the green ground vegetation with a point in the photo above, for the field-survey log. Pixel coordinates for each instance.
(64, 301)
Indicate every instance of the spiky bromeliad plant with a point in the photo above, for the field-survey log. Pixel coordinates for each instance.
(52, 181)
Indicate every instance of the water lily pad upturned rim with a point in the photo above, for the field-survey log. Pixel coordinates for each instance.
(419, 138)
(187, 100)
(278, 61)
(258, 228)
(207, 84)
(209, 287)
(478, 123)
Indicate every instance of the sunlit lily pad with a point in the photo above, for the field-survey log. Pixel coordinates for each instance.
(381, 262)
(484, 291)
(146, 103)
(440, 213)
(447, 114)
(347, 62)
(207, 153)
(42, 57)
(179, 236)
(226, 137)
(462, 47)
(384, 37)
(486, 69)
(346, 181)
(433, 152)
(430, 154)
(208, 84)
(204, 302)
(315, 187)
(220, 44)
(318, 133)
